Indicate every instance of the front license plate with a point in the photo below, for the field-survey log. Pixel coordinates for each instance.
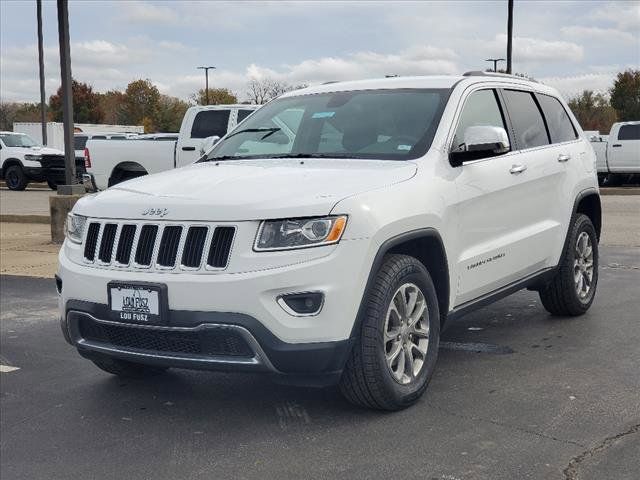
(136, 303)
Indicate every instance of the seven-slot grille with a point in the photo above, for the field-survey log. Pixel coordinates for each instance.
(163, 247)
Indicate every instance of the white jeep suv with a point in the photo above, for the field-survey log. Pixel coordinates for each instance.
(329, 237)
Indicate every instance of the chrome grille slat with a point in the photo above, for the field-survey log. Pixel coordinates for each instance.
(146, 244)
(125, 244)
(158, 246)
(105, 251)
(169, 243)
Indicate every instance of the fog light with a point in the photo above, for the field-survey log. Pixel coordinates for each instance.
(302, 304)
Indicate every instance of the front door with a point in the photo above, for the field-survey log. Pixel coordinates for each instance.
(505, 203)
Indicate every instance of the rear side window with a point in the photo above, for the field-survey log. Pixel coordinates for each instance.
(528, 126)
(209, 123)
(79, 142)
(629, 132)
(480, 109)
(560, 126)
(242, 114)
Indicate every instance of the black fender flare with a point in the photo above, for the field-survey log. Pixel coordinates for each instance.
(387, 245)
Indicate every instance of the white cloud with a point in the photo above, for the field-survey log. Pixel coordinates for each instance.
(601, 34)
(529, 50)
(143, 12)
(572, 86)
(624, 15)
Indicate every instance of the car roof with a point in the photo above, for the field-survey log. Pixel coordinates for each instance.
(431, 81)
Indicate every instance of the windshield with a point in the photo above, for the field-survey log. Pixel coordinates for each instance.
(381, 124)
(17, 140)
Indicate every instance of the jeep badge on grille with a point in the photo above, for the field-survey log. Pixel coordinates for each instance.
(156, 212)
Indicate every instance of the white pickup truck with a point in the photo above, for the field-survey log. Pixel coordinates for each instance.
(618, 154)
(110, 162)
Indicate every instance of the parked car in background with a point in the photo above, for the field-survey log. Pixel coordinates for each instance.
(55, 131)
(618, 154)
(23, 160)
(334, 252)
(109, 163)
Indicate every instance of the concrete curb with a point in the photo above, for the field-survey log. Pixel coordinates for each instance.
(31, 186)
(10, 218)
(619, 191)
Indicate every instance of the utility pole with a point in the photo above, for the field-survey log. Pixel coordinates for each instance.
(495, 62)
(43, 106)
(509, 34)
(71, 186)
(206, 76)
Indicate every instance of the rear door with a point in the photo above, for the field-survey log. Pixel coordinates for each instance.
(206, 123)
(624, 153)
(506, 203)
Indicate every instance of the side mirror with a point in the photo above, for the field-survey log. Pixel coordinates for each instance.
(481, 141)
(208, 143)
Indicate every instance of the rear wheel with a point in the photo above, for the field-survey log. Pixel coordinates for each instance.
(15, 178)
(396, 347)
(125, 369)
(573, 288)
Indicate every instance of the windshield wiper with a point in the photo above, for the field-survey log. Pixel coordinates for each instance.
(308, 155)
(223, 157)
(270, 131)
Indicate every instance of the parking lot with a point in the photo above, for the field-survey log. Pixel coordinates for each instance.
(516, 394)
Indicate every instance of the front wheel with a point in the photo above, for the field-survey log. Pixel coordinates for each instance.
(573, 288)
(15, 178)
(396, 347)
(52, 185)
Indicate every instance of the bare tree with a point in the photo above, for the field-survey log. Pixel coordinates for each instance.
(260, 91)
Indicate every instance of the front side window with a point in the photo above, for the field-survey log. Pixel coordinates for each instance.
(480, 109)
(384, 124)
(528, 126)
(629, 132)
(560, 126)
(17, 140)
(209, 123)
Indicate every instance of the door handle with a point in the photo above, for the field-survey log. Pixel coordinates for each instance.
(616, 145)
(515, 169)
(563, 157)
(188, 149)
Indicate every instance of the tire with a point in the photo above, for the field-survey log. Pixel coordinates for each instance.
(368, 380)
(15, 178)
(52, 185)
(560, 296)
(122, 368)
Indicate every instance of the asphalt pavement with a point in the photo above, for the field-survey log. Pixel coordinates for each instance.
(517, 394)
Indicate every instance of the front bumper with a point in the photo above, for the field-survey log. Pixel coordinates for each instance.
(204, 341)
(36, 174)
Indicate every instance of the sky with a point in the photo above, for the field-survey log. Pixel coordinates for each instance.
(566, 44)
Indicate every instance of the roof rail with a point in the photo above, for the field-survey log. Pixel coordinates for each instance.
(330, 82)
(480, 73)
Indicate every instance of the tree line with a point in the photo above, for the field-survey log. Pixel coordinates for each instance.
(141, 103)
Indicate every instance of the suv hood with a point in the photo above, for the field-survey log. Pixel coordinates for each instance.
(246, 189)
(36, 151)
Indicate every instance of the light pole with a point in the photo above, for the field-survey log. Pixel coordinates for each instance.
(206, 77)
(509, 34)
(495, 62)
(43, 106)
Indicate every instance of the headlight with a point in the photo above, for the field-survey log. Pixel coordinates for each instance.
(74, 227)
(299, 233)
(33, 158)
